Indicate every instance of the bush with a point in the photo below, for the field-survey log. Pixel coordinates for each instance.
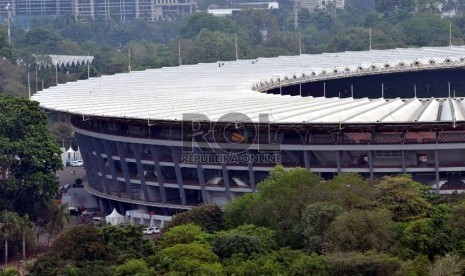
(208, 217)
(226, 245)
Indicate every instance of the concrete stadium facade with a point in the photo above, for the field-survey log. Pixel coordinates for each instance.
(197, 139)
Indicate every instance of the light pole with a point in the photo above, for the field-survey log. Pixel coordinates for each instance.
(9, 21)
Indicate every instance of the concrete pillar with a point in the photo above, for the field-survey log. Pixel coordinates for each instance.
(307, 159)
(201, 178)
(109, 147)
(370, 161)
(155, 151)
(224, 169)
(89, 161)
(122, 150)
(338, 161)
(176, 155)
(101, 164)
(251, 175)
(404, 164)
(138, 151)
(436, 169)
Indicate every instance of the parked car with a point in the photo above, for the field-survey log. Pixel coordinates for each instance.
(150, 230)
(88, 213)
(73, 211)
(97, 220)
(76, 163)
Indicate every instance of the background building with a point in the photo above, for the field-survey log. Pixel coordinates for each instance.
(171, 138)
(321, 4)
(125, 10)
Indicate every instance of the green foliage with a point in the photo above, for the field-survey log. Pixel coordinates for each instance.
(226, 245)
(316, 219)
(124, 242)
(404, 197)
(426, 30)
(283, 197)
(183, 234)
(369, 263)
(281, 262)
(134, 268)
(187, 259)
(80, 244)
(208, 217)
(448, 265)
(457, 220)
(241, 210)
(348, 190)
(9, 272)
(355, 231)
(266, 236)
(29, 156)
(6, 50)
(420, 266)
(211, 46)
(41, 41)
(49, 264)
(198, 22)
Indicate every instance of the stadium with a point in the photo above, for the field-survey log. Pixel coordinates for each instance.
(171, 138)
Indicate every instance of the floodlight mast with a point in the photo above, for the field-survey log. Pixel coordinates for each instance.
(8, 8)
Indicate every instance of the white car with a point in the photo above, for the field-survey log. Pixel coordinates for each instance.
(150, 230)
(76, 163)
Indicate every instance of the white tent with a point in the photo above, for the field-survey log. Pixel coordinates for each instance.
(114, 218)
(71, 153)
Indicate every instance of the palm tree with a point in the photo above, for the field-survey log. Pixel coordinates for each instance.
(58, 216)
(24, 227)
(9, 222)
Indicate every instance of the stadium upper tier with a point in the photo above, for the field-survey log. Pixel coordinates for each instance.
(215, 89)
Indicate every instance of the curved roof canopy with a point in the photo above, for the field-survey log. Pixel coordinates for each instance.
(177, 93)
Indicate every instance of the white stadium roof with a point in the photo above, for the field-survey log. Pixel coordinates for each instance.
(213, 90)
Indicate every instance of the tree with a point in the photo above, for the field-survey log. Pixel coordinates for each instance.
(448, 265)
(10, 82)
(348, 190)
(316, 219)
(29, 156)
(240, 210)
(211, 46)
(205, 21)
(281, 262)
(427, 30)
(41, 40)
(369, 263)
(360, 230)
(404, 197)
(183, 234)
(134, 267)
(399, 9)
(9, 272)
(80, 244)
(124, 242)
(9, 222)
(5, 48)
(283, 198)
(208, 217)
(187, 259)
(24, 227)
(266, 236)
(226, 245)
(457, 221)
(58, 216)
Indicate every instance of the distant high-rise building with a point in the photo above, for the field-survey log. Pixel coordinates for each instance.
(123, 10)
(321, 4)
